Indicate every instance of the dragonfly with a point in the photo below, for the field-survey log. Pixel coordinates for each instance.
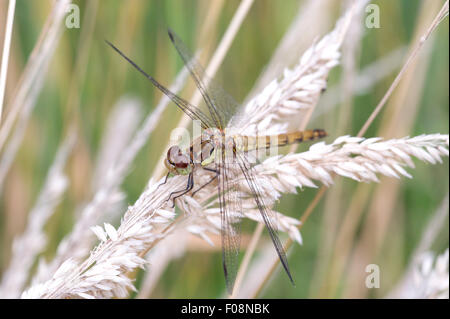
(223, 154)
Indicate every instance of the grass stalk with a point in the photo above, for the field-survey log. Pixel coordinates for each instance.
(5, 54)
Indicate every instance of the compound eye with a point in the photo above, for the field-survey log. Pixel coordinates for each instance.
(182, 162)
(176, 157)
(172, 153)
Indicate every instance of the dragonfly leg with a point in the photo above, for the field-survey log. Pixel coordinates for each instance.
(165, 181)
(210, 181)
(188, 188)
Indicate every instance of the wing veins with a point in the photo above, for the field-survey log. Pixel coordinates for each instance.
(192, 111)
(197, 74)
(230, 234)
(248, 174)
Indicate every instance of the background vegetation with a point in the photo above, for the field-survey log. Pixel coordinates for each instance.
(389, 218)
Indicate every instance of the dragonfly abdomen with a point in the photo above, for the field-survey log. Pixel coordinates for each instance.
(249, 143)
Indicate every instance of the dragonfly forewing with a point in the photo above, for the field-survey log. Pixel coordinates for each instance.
(192, 111)
(221, 105)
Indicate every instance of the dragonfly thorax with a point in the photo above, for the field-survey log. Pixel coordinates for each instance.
(202, 152)
(214, 136)
(219, 139)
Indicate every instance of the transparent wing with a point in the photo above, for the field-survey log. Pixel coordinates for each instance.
(192, 111)
(231, 214)
(221, 105)
(267, 214)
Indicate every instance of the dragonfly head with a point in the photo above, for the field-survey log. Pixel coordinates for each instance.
(177, 162)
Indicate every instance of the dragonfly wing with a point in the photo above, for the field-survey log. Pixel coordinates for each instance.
(192, 111)
(221, 105)
(231, 214)
(267, 214)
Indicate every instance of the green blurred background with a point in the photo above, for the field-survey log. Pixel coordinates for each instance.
(139, 28)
